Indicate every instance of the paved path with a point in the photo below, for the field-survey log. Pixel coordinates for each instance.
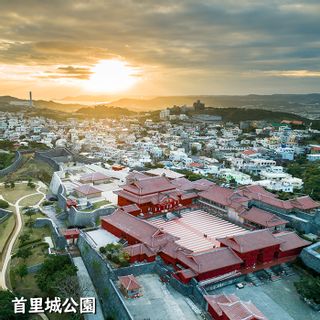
(15, 234)
(87, 288)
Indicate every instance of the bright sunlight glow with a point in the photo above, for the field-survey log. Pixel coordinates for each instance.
(112, 76)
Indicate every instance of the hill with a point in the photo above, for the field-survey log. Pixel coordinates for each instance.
(105, 111)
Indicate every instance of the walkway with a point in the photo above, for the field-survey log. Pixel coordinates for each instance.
(87, 289)
(15, 234)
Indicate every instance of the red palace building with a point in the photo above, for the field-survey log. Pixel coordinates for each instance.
(238, 253)
(156, 194)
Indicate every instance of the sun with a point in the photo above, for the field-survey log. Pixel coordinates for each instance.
(112, 76)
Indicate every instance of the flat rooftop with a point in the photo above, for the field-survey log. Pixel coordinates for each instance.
(160, 301)
(198, 230)
(100, 237)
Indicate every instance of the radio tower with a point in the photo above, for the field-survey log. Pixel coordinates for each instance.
(30, 99)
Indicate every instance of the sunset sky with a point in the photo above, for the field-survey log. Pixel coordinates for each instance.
(59, 48)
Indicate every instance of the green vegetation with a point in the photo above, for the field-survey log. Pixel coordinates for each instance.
(309, 287)
(6, 309)
(32, 200)
(4, 204)
(22, 271)
(309, 172)
(115, 253)
(6, 229)
(31, 169)
(54, 270)
(13, 194)
(24, 253)
(103, 111)
(6, 159)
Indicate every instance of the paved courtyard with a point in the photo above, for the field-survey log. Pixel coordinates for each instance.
(160, 302)
(278, 300)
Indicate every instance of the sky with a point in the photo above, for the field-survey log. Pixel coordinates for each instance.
(148, 48)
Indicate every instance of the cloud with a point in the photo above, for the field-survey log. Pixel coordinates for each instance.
(200, 42)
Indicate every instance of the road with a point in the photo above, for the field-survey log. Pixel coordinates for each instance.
(15, 234)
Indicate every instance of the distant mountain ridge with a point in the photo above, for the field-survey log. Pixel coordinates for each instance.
(307, 105)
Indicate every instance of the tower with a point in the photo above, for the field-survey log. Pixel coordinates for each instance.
(30, 99)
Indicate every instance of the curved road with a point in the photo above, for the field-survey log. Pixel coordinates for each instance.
(15, 235)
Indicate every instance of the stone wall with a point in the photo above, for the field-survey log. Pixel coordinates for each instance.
(4, 214)
(311, 257)
(88, 218)
(18, 160)
(45, 157)
(103, 278)
(59, 240)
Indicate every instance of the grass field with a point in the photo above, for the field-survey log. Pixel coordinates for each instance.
(31, 201)
(31, 169)
(5, 230)
(12, 195)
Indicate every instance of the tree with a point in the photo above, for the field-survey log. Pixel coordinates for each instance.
(53, 271)
(24, 253)
(12, 185)
(7, 184)
(31, 184)
(22, 270)
(309, 287)
(24, 237)
(6, 307)
(30, 212)
(4, 204)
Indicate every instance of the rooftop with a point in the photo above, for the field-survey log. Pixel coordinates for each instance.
(197, 230)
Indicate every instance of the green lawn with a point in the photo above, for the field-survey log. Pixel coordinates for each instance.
(31, 169)
(5, 230)
(26, 287)
(31, 201)
(12, 195)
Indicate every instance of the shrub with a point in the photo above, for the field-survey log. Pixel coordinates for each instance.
(4, 204)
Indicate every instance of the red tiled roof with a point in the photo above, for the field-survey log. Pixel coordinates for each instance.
(251, 241)
(291, 241)
(138, 229)
(217, 194)
(249, 152)
(139, 248)
(129, 282)
(131, 208)
(146, 186)
(255, 189)
(304, 203)
(262, 218)
(71, 232)
(209, 260)
(87, 189)
(95, 176)
(183, 184)
(234, 308)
